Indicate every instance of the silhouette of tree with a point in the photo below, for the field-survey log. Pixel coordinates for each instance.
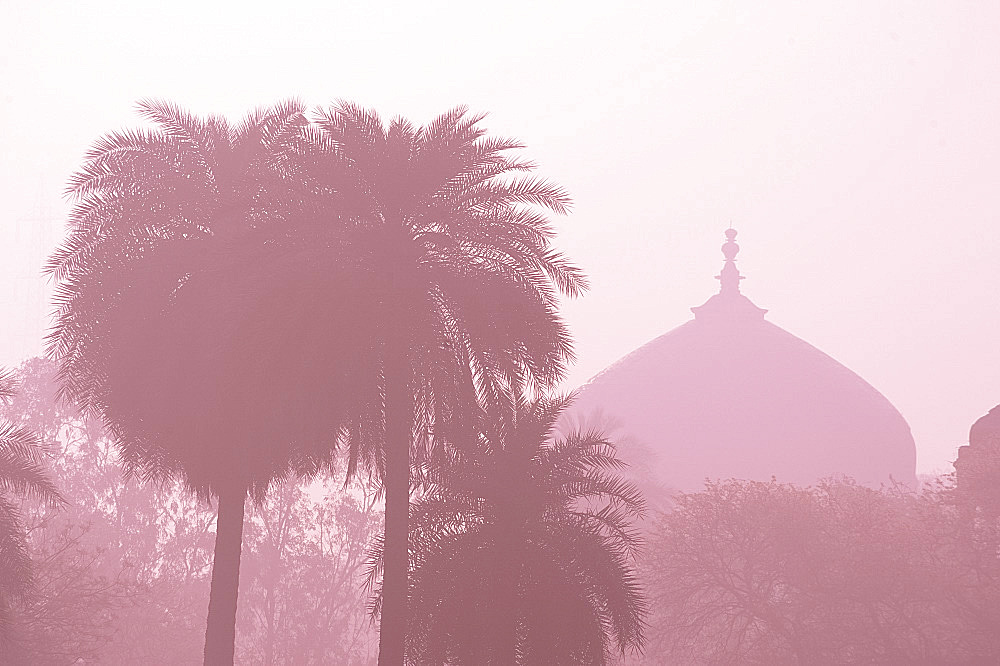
(121, 571)
(163, 327)
(300, 601)
(122, 568)
(451, 294)
(767, 573)
(22, 476)
(522, 549)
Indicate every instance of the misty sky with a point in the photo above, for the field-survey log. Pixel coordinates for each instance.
(856, 148)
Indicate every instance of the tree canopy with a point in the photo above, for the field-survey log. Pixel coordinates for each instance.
(23, 476)
(766, 573)
(522, 549)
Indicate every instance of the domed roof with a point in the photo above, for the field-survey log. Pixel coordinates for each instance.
(731, 395)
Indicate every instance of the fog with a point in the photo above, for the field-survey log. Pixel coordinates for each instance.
(294, 305)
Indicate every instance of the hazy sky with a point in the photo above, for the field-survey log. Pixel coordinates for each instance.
(856, 148)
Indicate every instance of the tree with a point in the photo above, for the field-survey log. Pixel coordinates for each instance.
(451, 298)
(766, 573)
(522, 549)
(22, 476)
(121, 571)
(300, 601)
(163, 327)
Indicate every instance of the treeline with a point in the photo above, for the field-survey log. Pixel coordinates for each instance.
(743, 572)
(521, 551)
(121, 570)
(749, 572)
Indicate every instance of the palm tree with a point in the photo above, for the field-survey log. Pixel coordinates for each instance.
(22, 476)
(453, 298)
(522, 549)
(181, 292)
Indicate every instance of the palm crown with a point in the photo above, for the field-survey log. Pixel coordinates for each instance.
(162, 325)
(522, 547)
(447, 253)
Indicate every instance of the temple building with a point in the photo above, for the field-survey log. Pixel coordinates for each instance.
(731, 395)
(978, 465)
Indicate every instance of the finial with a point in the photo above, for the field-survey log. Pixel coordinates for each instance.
(729, 303)
(730, 276)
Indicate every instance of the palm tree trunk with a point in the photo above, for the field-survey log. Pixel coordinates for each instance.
(220, 636)
(395, 571)
(508, 568)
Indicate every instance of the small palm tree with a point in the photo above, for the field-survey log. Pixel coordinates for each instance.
(522, 549)
(22, 476)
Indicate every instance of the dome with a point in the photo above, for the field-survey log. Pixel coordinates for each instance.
(731, 395)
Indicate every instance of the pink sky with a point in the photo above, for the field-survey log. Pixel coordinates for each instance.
(855, 147)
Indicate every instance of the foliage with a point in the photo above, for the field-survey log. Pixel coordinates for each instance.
(522, 547)
(232, 299)
(448, 297)
(750, 572)
(163, 329)
(122, 570)
(22, 477)
(159, 291)
(301, 590)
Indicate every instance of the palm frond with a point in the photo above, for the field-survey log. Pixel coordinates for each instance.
(532, 191)
(15, 562)
(176, 122)
(8, 385)
(22, 473)
(555, 517)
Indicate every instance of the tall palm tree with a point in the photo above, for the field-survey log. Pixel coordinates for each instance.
(454, 287)
(181, 291)
(22, 476)
(523, 549)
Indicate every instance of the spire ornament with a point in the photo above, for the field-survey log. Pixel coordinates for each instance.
(729, 304)
(730, 276)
